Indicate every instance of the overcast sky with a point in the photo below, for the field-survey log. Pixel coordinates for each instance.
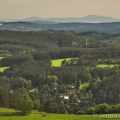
(19, 9)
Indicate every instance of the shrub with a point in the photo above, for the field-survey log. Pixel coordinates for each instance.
(80, 112)
(91, 110)
(103, 108)
(117, 108)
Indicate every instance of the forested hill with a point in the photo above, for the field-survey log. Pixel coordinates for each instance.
(112, 27)
(16, 41)
(90, 77)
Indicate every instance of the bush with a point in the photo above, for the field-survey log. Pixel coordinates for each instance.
(117, 108)
(91, 110)
(80, 112)
(113, 110)
(103, 108)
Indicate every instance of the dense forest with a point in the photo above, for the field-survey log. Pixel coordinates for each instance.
(77, 86)
(106, 27)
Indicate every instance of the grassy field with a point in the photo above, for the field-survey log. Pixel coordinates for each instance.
(58, 117)
(3, 68)
(7, 110)
(57, 62)
(1, 58)
(39, 116)
(105, 66)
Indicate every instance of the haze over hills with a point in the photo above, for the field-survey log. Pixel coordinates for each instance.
(88, 23)
(86, 19)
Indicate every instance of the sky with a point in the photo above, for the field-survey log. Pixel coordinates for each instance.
(20, 9)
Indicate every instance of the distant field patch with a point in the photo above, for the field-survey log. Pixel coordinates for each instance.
(3, 68)
(105, 65)
(57, 62)
(1, 58)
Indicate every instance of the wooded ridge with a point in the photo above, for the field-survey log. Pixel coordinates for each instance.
(76, 86)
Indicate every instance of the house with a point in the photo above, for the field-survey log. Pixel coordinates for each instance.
(66, 98)
(71, 91)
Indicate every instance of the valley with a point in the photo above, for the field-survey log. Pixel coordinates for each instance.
(55, 71)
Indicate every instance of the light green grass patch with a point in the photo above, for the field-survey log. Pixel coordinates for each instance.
(7, 110)
(105, 65)
(1, 58)
(3, 68)
(57, 62)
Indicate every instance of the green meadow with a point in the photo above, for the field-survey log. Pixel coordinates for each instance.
(35, 115)
(7, 110)
(1, 58)
(57, 62)
(58, 117)
(3, 68)
(105, 65)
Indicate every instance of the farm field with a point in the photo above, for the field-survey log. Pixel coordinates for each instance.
(3, 68)
(57, 62)
(105, 65)
(1, 58)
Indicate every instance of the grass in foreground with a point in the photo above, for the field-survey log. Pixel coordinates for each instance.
(39, 116)
(58, 117)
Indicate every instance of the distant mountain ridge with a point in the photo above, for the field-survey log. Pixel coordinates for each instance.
(88, 23)
(86, 19)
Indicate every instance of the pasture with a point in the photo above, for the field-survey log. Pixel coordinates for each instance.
(57, 62)
(1, 58)
(7, 110)
(3, 68)
(105, 65)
